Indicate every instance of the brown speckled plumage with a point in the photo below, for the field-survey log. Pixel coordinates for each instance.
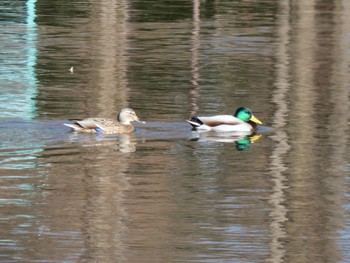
(107, 126)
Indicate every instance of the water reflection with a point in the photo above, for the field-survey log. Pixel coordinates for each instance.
(18, 83)
(156, 195)
(43, 193)
(241, 142)
(105, 181)
(301, 200)
(194, 94)
(121, 142)
(19, 158)
(279, 210)
(109, 55)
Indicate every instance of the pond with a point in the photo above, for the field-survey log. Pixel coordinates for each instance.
(166, 193)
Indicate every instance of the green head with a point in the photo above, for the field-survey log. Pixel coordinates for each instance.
(242, 144)
(246, 115)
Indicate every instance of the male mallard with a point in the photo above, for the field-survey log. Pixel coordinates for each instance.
(242, 121)
(107, 126)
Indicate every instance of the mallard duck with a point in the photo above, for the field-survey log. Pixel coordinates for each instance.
(242, 121)
(107, 126)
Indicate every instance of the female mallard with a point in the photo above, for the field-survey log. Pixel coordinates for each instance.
(107, 126)
(242, 121)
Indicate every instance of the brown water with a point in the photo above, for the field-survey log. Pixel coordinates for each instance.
(166, 193)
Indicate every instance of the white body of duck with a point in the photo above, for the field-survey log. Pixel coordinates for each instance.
(242, 121)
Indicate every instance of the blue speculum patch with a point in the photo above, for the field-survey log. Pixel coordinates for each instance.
(98, 129)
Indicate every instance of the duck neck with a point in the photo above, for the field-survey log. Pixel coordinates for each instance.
(122, 119)
(253, 124)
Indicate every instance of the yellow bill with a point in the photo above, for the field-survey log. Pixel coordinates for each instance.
(255, 137)
(254, 119)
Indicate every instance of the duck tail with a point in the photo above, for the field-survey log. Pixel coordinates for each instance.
(74, 126)
(195, 122)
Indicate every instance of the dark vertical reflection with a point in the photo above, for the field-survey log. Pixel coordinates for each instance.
(79, 206)
(97, 33)
(318, 133)
(339, 123)
(159, 69)
(82, 199)
(194, 58)
(104, 168)
(278, 214)
(108, 75)
(65, 41)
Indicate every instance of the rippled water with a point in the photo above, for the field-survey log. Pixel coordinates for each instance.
(166, 193)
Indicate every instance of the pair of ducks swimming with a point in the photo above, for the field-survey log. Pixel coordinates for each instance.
(242, 121)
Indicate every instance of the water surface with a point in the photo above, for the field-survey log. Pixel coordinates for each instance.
(166, 193)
